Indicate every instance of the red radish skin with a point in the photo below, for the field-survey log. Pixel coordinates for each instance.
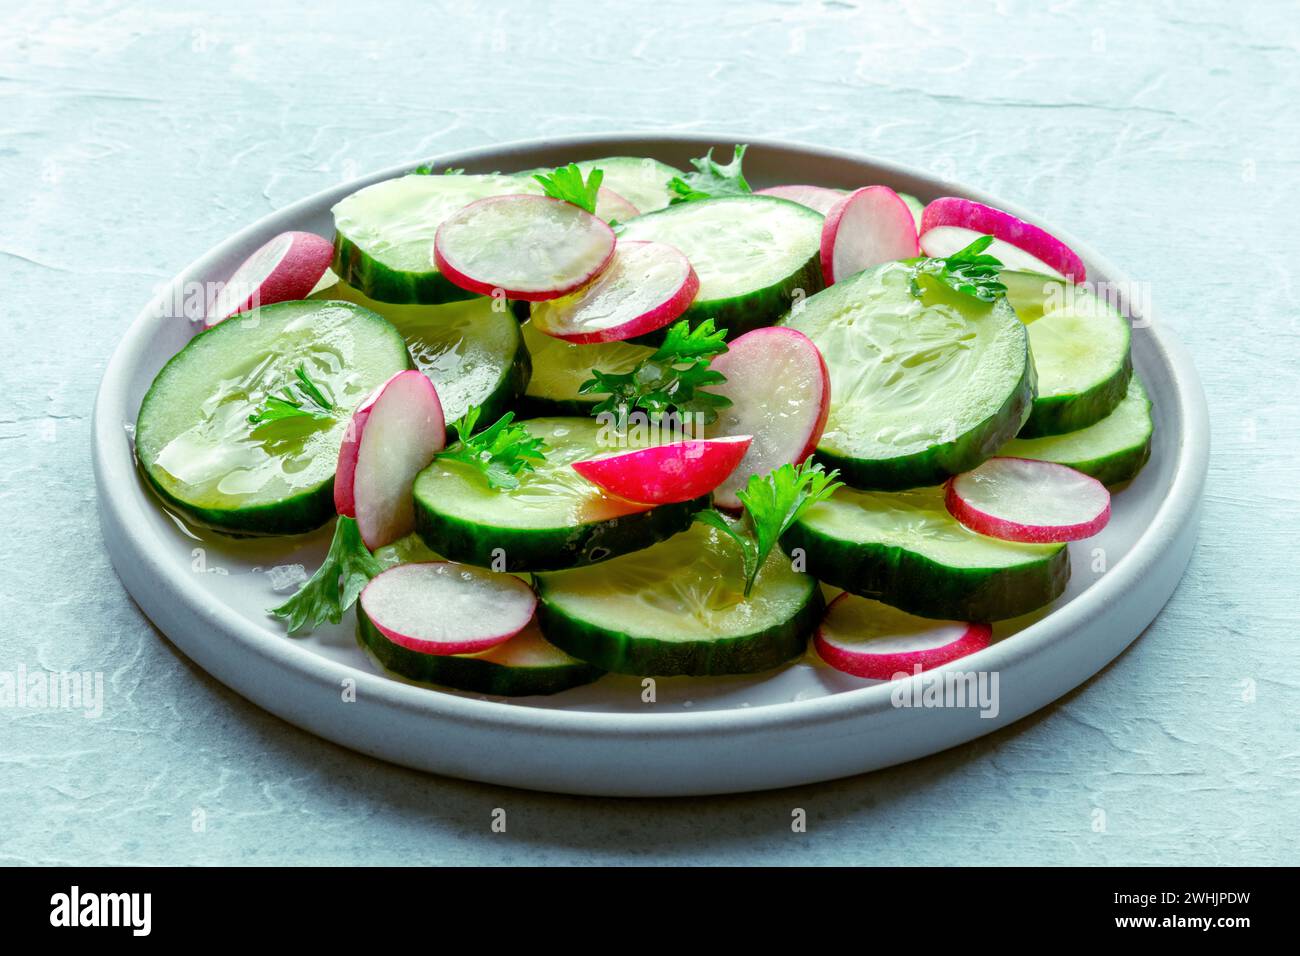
(441, 607)
(869, 226)
(613, 207)
(1026, 500)
(285, 269)
(532, 248)
(393, 435)
(780, 391)
(1044, 249)
(814, 197)
(888, 664)
(646, 286)
(666, 474)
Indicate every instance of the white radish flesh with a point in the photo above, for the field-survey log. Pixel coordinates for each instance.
(1023, 499)
(612, 207)
(814, 197)
(285, 269)
(868, 639)
(865, 228)
(950, 224)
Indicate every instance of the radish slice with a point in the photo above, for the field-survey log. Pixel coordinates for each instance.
(666, 474)
(286, 268)
(392, 437)
(814, 197)
(869, 226)
(868, 639)
(646, 286)
(440, 607)
(530, 247)
(950, 224)
(611, 206)
(1022, 499)
(780, 393)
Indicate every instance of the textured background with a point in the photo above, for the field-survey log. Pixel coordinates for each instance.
(135, 136)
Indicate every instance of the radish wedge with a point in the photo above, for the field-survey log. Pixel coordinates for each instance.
(868, 639)
(440, 607)
(612, 207)
(1023, 499)
(666, 474)
(780, 394)
(950, 224)
(646, 286)
(814, 197)
(869, 226)
(530, 247)
(285, 269)
(392, 437)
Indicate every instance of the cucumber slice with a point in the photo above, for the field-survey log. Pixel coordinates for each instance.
(750, 252)
(560, 368)
(384, 233)
(555, 518)
(915, 205)
(1112, 451)
(524, 666)
(903, 548)
(679, 608)
(472, 351)
(641, 181)
(921, 389)
(194, 441)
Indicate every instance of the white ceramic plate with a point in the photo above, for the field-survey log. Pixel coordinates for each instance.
(797, 725)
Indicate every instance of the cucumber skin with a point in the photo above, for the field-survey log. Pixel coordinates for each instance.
(537, 406)
(921, 586)
(624, 653)
(469, 673)
(552, 549)
(1117, 469)
(510, 391)
(375, 280)
(1058, 414)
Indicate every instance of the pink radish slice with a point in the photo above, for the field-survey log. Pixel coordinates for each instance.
(666, 474)
(530, 247)
(950, 224)
(392, 437)
(868, 639)
(286, 268)
(610, 206)
(780, 393)
(646, 286)
(440, 607)
(814, 197)
(1021, 499)
(869, 226)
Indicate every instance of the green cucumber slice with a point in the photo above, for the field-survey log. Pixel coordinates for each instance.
(555, 518)
(915, 205)
(383, 242)
(903, 548)
(754, 255)
(641, 181)
(921, 389)
(526, 665)
(1080, 346)
(473, 351)
(560, 368)
(679, 608)
(1112, 451)
(194, 441)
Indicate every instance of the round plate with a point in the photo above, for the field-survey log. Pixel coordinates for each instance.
(800, 724)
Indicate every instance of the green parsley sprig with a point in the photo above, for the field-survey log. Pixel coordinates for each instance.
(426, 170)
(711, 178)
(968, 271)
(303, 399)
(334, 587)
(672, 379)
(502, 451)
(773, 502)
(566, 183)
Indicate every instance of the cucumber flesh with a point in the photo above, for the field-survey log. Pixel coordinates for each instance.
(554, 519)
(559, 368)
(905, 549)
(640, 180)
(1112, 451)
(921, 388)
(754, 256)
(193, 438)
(679, 608)
(472, 351)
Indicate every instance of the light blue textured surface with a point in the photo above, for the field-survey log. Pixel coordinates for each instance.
(135, 136)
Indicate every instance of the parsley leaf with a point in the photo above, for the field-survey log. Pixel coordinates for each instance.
(426, 170)
(303, 400)
(334, 587)
(968, 271)
(671, 379)
(711, 178)
(502, 451)
(566, 182)
(773, 502)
